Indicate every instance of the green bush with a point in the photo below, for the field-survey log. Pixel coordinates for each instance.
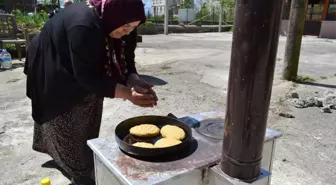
(33, 22)
(10, 47)
(147, 24)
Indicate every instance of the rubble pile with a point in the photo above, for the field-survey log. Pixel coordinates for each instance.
(327, 102)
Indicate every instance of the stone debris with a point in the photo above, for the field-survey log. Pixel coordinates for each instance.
(286, 115)
(327, 102)
(310, 102)
(284, 160)
(294, 95)
(318, 101)
(326, 109)
(330, 100)
(301, 103)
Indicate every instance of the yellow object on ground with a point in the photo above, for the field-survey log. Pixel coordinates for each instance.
(45, 181)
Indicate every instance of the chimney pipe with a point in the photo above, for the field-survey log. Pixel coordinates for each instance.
(253, 56)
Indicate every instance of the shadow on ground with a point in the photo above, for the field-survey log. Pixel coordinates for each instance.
(14, 66)
(54, 165)
(153, 80)
(319, 85)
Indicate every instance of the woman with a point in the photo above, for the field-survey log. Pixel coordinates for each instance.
(76, 61)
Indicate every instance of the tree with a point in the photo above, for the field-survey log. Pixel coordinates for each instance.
(188, 4)
(293, 44)
(228, 8)
(213, 6)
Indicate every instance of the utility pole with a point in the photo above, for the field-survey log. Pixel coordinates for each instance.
(35, 7)
(220, 18)
(166, 16)
(201, 12)
(294, 38)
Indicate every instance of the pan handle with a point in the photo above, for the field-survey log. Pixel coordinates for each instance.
(172, 115)
(191, 122)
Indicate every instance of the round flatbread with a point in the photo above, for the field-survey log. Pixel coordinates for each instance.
(144, 145)
(166, 142)
(145, 130)
(172, 131)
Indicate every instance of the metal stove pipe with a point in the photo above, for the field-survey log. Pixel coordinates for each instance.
(253, 56)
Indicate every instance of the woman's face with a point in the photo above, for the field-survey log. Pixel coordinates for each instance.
(124, 30)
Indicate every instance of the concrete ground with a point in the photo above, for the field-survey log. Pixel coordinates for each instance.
(192, 72)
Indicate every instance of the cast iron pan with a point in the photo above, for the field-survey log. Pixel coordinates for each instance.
(125, 140)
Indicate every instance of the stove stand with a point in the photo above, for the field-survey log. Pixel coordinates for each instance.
(113, 167)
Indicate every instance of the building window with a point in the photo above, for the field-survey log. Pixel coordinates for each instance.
(315, 10)
(331, 11)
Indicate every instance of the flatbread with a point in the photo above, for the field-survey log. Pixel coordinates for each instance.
(172, 131)
(144, 145)
(166, 142)
(145, 130)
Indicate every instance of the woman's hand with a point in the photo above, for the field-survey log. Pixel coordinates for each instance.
(142, 97)
(137, 95)
(135, 81)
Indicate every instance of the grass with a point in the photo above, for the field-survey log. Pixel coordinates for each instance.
(304, 79)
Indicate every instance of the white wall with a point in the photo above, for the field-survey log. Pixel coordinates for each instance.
(186, 15)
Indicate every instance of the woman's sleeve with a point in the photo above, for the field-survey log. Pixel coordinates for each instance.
(129, 49)
(88, 61)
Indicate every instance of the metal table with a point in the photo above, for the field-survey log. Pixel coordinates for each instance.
(114, 167)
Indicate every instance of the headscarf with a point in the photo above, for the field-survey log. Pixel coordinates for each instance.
(116, 13)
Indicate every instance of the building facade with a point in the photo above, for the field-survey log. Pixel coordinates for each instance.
(320, 18)
(158, 6)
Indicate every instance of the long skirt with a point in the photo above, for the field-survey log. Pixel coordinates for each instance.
(64, 138)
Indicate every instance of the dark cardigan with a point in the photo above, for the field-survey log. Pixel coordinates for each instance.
(65, 62)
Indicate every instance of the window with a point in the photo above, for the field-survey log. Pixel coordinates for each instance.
(331, 11)
(315, 10)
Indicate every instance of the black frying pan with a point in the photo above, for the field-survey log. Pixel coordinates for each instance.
(125, 140)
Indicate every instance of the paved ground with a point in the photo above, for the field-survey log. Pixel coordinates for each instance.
(195, 68)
